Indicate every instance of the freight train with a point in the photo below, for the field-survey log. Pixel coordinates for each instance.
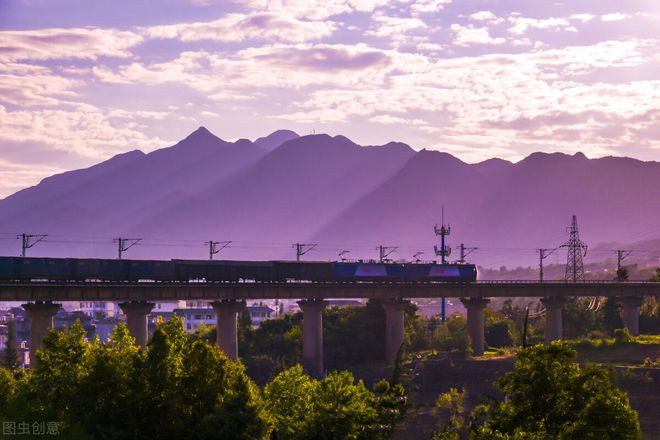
(23, 269)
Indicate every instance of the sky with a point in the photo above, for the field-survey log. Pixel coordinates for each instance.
(81, 81)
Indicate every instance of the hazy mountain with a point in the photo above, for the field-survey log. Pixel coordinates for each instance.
(282, 188)
(275, 139)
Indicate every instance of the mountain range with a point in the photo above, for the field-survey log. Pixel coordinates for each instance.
(267, 194)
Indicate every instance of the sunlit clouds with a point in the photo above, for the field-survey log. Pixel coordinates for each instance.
(474, 79)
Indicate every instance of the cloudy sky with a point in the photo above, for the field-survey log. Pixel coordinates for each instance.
(83, 80)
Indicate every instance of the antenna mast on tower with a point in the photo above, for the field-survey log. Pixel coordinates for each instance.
(442, 231)
(576, 250)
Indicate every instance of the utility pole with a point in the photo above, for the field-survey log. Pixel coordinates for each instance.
(576, 250)
(620, 256)
(385, 252)
(29, 240)
(465, 252)
(443, 231)
(302, 249)
(443, 253)
(213, 247)
(341, 255)
(124, 244)
(543, 254)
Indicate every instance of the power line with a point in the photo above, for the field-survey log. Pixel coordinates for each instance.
(124, 244)
(302, 249)
(576, 250)
(29, 240)
(465, 252)
(385, 251)
(543, 254)
(213, 247)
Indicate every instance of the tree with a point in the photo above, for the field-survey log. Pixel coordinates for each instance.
(611, 316)
(333, 408)
(656, 275)
(10, 358)
(177, 387)
(550, 397)
(499, 330)
(453, 404)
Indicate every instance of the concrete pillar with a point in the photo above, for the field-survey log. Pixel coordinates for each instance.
(553, 318)
(394, 325)
(630, 313)
(475, 322)
(136, 320)
(226, 331)
(313, 335)
(42, 318)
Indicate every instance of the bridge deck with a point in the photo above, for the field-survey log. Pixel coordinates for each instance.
(153, 291)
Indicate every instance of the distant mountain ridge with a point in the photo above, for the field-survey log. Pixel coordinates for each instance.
(284, 188)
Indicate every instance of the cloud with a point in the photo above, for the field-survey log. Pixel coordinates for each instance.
(388, 120)
(327, 57)
(49, 44)
(240, 27)
(313, 9)
(486, 16)
(395, 28)
(28, 85)
(523, 24)
(468, 35)
(614, 17)
(419, 7)
(91, 133)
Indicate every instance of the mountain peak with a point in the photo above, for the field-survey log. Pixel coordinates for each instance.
(275, 139)
(201, 134)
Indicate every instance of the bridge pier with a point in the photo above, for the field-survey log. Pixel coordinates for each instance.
(313, 335)
(630, 313)
(136, 319)
(226, 332)
(553, 318)
(394, 325)
(42, 318)
(475, 322)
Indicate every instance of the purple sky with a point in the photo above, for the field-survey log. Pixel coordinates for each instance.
(83, 80)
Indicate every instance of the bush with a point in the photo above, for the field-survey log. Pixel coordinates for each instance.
(622, 336)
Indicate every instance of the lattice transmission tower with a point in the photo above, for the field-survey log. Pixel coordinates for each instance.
(576, 250)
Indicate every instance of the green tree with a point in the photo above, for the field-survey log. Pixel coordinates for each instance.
(452, 403)
(10, 358)
(549, 396)
(499, 330)
(333, 408)
(611, 316)
(656, 275)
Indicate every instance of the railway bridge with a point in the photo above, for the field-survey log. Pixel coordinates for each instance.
(136, 300)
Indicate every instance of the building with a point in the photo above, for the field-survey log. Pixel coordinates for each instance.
(193, 317)
(259, 312)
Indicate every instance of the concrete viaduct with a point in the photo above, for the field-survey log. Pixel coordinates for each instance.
(137, 300)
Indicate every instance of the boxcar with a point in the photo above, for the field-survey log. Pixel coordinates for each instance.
(262, 271)
(9, 268)
(52, 269)
(113, 270)
(157, 270)
(314, 271)
(85, 268)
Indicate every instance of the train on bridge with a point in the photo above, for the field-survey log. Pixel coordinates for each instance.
(24, 269)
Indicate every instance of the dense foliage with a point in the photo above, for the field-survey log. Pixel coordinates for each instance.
(182, 387)
(550, 397)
